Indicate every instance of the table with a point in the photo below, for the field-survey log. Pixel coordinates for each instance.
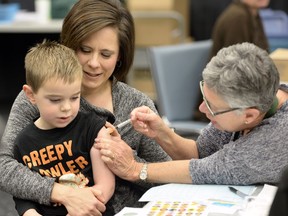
(206, 200)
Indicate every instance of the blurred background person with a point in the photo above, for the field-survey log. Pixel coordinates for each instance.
(240, 22)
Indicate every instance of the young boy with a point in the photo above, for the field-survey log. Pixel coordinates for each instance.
(59, 143)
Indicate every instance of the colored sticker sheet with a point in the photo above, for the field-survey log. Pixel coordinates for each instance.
(175, 208)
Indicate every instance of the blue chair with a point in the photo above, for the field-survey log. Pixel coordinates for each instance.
(275, 23)
(176, 71)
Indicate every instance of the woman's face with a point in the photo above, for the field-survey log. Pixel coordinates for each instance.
(98, 55)
(257, 4)
(229, 120)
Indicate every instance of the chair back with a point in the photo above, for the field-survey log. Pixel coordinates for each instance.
(275, 22)
(177, 71)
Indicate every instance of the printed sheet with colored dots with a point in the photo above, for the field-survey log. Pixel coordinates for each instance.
(174, 208)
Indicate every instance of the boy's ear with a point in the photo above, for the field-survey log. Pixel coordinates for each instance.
(29, 93)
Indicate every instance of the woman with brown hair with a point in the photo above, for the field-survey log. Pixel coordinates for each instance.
(102, 34)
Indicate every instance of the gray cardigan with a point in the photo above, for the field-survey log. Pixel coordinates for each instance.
(19, 181)
(256, 158)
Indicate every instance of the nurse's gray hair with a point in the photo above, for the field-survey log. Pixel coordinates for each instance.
(244, 76)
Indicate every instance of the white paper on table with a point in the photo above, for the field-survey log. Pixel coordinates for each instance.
(188, 192)
(260, 206)
(127, 211)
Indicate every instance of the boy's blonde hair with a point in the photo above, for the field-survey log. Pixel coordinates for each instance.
(48, 60)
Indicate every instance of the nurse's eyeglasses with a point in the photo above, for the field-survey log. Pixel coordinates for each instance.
(208, 105)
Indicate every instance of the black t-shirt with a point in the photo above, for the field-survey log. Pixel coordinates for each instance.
(56, 152)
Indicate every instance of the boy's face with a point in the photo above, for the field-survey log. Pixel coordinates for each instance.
(58, 103)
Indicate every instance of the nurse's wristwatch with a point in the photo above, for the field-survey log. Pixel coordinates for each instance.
(143, 173)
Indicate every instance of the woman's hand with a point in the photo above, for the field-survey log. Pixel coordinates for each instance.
(111, 130)
(80, 202)
(117, 155)
(147, 122)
